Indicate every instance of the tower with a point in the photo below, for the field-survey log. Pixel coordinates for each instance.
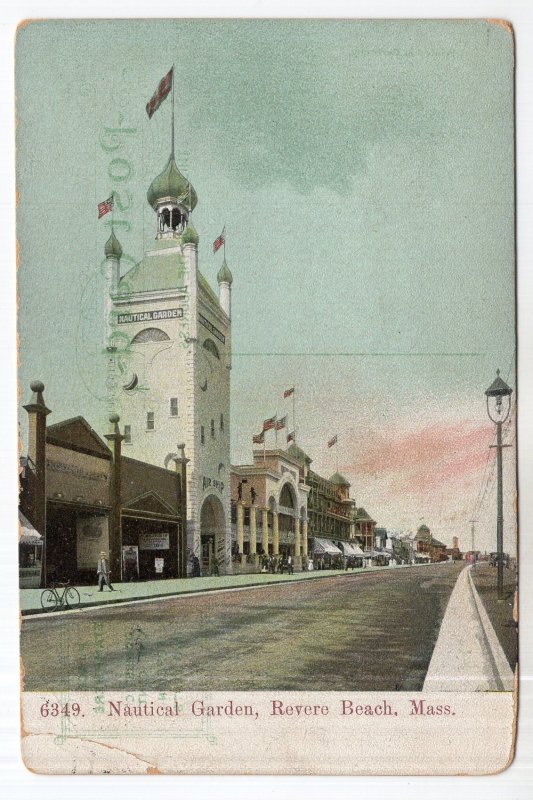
(169, 361)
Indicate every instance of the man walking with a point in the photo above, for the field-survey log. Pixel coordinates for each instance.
(103, 573)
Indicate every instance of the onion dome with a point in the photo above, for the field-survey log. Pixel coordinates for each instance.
(339, 479)
(224, 274)
(113, 247)
(172, 186)
(189, 235)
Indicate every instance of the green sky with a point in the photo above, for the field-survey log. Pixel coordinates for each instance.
(364, 171)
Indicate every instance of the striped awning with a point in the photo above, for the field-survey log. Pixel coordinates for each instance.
(326, 547)
(351, 549)
(28, 534)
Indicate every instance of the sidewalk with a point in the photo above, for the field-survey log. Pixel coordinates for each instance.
(30, 599)
(468, 656)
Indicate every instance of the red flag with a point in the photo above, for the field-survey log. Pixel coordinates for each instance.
(162, 91)
(259, 438)
(268, 424)
(217, 244)
(332, 441)
(281, 423)
(105, 207)
(290, 437)
(288, 392)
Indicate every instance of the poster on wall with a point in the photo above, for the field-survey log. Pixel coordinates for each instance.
(92, 537)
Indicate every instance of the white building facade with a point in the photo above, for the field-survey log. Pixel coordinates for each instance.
(169, 360)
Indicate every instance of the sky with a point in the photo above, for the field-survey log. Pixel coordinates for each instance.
(364, 173)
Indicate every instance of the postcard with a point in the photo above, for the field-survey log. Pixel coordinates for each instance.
(267, 386)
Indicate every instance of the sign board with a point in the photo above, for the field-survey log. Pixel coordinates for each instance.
(154, 541)
(159, 563)
(150, 316)
(92, 537)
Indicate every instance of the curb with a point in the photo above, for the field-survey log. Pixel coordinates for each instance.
(203, 590)
(503, 673)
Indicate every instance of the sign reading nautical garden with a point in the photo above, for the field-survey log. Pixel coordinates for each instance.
(150, 316)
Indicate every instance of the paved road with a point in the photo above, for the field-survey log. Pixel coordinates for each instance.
(363, 632)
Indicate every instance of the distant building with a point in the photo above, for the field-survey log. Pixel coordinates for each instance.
(365, 529)
(429, 548)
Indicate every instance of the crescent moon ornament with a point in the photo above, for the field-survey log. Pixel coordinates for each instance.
(132, 384)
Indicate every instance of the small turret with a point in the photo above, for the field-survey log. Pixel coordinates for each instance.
(225, 279)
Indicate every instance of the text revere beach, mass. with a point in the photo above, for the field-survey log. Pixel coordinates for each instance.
(279, 708)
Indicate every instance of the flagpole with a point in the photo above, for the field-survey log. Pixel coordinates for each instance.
(224, 241)
(276, 429)
(172, 125)
(294, 412)
(337, 453)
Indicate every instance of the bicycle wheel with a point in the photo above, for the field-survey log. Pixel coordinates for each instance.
(49, 600)
(72, 597)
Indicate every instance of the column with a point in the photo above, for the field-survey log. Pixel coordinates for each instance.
(275, 534)
(37, 413)
(304, 540)
(240, 529)
(264, 526)
(297, 544)
(181, 470)
(115, 527)
(253, 534)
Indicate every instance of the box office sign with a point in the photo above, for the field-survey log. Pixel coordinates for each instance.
(154, 541)
(92, 537)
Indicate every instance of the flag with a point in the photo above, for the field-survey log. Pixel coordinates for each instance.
(259, 438)
(288, 392)
(268, 424)
(162, 91)
(290, 437)
(105, 207)
(332, 441)
(217, 244)
(281, 423)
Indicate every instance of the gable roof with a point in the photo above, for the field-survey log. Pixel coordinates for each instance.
(150, 501)
(76, 434)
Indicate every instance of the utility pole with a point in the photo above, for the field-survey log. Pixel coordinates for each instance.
(472, 540)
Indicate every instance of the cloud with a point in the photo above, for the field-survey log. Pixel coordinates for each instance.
(429, 459)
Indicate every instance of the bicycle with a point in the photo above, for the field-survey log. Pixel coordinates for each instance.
(51, 599)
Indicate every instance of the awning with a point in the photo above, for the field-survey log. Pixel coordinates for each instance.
(351, 549)
(377, 553)
(28, 534)
(325, 546)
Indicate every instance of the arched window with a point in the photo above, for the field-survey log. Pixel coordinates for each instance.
(211, 347)
(150, 335)
(286, 497)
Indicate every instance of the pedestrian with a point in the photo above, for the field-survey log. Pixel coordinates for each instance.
(103, 573)
(195, 567)
(290, 565)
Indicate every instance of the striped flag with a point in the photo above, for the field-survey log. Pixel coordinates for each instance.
(332, 441)
(269, 423)
(258, 438)
(288, 392)
(290, 437)
(162, 91)
(105, 207)
(217, 244)
(281, 423)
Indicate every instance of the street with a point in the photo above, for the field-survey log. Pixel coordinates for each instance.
(359, 632)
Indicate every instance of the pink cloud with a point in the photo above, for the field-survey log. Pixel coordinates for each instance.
(423, 460)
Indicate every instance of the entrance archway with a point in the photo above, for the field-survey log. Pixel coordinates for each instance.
(212, 536)
(287, 519)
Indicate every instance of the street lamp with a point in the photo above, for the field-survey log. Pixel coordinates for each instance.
(498, 412)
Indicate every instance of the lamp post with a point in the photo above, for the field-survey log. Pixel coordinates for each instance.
(498, 414)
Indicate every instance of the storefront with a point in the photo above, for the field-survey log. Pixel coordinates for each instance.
(96, 500)
(325, 554)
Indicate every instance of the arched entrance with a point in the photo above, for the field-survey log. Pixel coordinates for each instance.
(287, 514)
(212, 536)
